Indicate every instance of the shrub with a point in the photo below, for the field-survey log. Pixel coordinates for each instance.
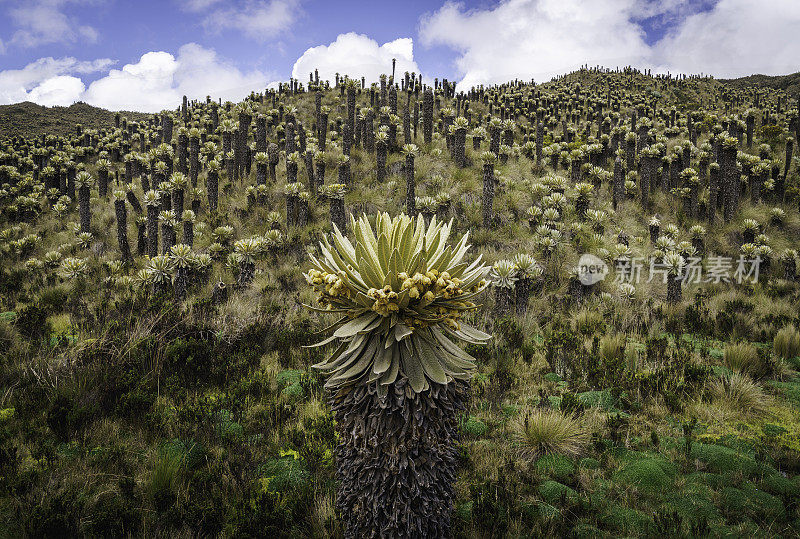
(31, 322)
(549, 431)
(787, 343)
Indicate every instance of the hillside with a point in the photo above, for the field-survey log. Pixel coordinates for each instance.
(631, 251)
(788, 83)
(32, 120)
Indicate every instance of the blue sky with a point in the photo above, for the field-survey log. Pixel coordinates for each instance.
(126, 30)
(145, 53)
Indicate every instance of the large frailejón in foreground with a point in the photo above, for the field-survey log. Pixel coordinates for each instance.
(397, 380)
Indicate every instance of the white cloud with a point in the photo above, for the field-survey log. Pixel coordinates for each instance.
(21, 84)
(536, 38)
(735, 38)
(259, 20)
(156, 82)
(542, 38)
(159, 80)
(62, 90)
(356, 55)
(42, 22)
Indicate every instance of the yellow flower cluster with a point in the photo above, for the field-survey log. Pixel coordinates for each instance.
(423, 289)
(329, 285)
(385, 300)
(428, 286)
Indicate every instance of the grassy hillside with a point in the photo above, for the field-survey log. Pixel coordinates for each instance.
(788, 83)
(32, 120)
(149, 389)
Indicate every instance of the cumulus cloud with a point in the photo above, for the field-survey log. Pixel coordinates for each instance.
(535, 38)
(159, 80)
(356, 55)
(62, 90)
(542, 38)
(735, 38)
(28, 83)
(154, 83)
(42, 22)
(259, 20)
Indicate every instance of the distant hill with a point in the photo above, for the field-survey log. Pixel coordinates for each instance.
(788, 83)
(32, 120)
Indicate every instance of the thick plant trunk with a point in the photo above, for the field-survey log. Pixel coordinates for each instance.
(188, 233)
(177, 202)
(397, 468)
(84, 210)
(323, 130)
(380, 157)
(713, 194)
(247, 271)
(460, 147)
(411, 198)
(194, 160)
(427, 116)
(337, 214)
(523, 291)
(121, 212)
(673, 289)
(618, 193)
(212, 190)
(539, 141)
(152, 231)
(102, 185)
(730, 182)
(503, 301)
(141, 237)
(181, 283)
(291, 211)
(488, 194)
(308, 159)
(167, 238)
(261, 174)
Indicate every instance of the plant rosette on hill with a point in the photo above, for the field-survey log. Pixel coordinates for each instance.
(403, 291)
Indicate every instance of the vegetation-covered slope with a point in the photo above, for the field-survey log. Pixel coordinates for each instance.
(788, 83)
(31, 120)
(153, 375)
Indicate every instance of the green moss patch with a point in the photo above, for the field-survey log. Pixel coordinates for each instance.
(557, 467)
(649, 475)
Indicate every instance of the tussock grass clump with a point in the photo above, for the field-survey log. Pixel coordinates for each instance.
(544, 432)
(612, 348)
(739, 393)
(744, 358)
(786, 344)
